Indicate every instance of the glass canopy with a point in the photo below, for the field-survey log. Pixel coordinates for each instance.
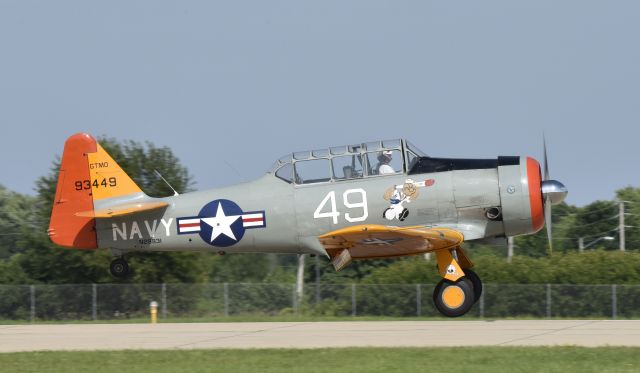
(346, 162)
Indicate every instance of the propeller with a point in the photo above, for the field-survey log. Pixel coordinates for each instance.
(553, 192)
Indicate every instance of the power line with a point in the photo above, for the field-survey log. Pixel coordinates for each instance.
(586, 236)
(612, 208)
(595, 222)
(630, 202)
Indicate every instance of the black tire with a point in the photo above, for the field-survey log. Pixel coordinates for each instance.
(119, 268)
(462, 296)
(477, 283)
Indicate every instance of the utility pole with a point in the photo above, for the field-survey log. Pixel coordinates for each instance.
(581, 244)
(621, 225)
(509, 248)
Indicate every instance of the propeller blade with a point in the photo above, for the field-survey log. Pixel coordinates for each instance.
(546, 163)
(548, 223)
(554, 192)
(547, 199)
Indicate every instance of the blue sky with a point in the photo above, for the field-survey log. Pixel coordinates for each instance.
(235, 84)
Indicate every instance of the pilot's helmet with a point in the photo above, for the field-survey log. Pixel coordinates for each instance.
(385, 156)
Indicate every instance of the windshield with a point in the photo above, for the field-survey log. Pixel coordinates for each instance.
(414, 149)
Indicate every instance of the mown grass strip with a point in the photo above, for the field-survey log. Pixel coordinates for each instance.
(352, 360)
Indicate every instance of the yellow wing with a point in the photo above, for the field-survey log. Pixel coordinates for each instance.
(379, 241)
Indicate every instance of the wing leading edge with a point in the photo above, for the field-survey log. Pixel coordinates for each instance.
(378, 241)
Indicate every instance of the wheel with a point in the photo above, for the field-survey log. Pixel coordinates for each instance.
(477, 283)
(453, 299)
(119, 268)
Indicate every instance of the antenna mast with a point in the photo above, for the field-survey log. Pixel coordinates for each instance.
(166, 182)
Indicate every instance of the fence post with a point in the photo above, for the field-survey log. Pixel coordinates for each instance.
(32, 292)
(548, 301)
(481, 301)
(94, 302)
(317, 280)
(294, 299)
(353, 300)
(418, 300)
(164, 300)
(226, 299)
(614, 301)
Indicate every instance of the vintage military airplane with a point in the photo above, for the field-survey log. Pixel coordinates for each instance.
(372, 200)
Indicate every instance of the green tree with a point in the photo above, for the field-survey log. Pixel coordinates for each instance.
(592, 267)
(537, 245)
(11, 271)
(241, 268)
(631, 198)
(597, 219)
(16, 211)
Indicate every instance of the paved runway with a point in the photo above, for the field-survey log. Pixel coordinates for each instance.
(319, 334)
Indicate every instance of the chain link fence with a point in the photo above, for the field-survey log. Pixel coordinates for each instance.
(124, 301)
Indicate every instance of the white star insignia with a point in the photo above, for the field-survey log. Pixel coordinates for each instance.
(221, 224)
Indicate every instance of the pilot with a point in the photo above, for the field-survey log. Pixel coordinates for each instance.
(384, 158)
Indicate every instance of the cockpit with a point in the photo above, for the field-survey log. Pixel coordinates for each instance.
(347, 162)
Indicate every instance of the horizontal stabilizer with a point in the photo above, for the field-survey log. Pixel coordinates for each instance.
(123, 209)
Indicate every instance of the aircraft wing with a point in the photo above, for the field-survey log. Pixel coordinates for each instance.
(123, 209)
(379, 241)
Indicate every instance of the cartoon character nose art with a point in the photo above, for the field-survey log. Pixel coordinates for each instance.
(398, 195)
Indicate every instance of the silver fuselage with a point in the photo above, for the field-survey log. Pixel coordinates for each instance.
(293, 216)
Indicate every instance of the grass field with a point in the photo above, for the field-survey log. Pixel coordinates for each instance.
(461, 359)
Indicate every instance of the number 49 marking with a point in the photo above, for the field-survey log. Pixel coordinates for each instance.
(334, 213)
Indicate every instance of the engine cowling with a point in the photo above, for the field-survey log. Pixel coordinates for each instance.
(521, 197)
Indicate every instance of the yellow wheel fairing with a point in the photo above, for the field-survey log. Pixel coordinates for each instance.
(448, 267)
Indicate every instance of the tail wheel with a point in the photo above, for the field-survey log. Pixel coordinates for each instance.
(454, 299)
(477, 283)
(119, 268)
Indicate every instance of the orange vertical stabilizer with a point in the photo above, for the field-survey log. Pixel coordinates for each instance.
(73, 195)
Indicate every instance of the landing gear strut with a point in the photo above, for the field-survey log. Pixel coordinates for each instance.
(460, 288)
(119, 267)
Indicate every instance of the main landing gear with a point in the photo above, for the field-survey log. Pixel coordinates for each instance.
(119, 267)
(460, 288)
